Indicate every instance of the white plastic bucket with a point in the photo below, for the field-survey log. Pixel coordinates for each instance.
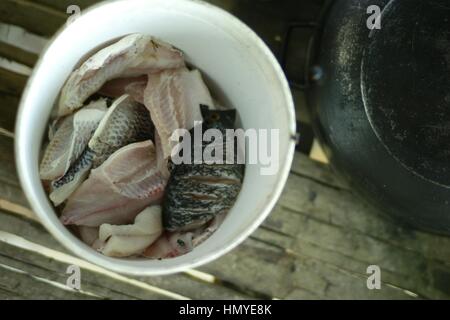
(240, 69)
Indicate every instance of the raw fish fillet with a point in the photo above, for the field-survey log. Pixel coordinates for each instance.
(132, 86)
(203, 234)
(78, 172)
(88, 234)
(71, 139)
(173, 98)
(53, 127)
(136, 91)
(196, 93)
(163, 163)
(132, 56)
(119, 189)
(56, 155)
(126, 122)
(128, 240)
(170, 246)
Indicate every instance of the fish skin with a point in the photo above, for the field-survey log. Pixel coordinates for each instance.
(78, 172)
(126, 122)
(132, 56)
(54, 162)
(70, 140)
(53, 127)
(173, 98)
(118, 190)
(197, 193)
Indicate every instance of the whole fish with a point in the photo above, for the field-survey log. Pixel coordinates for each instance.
(173, 98)
(132, 56)
(197, 193)
(126, 122)
(70, 140)
(118, 190)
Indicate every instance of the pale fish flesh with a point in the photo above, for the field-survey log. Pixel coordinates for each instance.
(132, 86)
(132, 56)
(88, 234)
(71, 139)
(170, 245)
(126, 122)
(129, 240)
(119, 189)
(173, 98)
(163, 163)
(203, 234)
(53, 127)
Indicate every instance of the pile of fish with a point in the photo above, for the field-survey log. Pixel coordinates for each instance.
(107, 166)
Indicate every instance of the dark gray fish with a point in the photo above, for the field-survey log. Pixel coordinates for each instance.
(197, 193)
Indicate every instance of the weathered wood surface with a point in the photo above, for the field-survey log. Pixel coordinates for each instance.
(317, 243)
(39, 19)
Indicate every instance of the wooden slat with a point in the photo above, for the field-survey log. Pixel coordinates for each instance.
(318, 242)
(11, 82)
(346, 251)
(181, 284)
(18, 284)
(11, 87)
(343, 209)
(283, 276)
(319, 220)
(36, 18)
(16, 54)
(8, 111)
(10, 191)
(304, 167)
(55, 271)
(8, 173)
(24, 286)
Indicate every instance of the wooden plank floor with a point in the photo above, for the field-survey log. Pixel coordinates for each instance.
(317, 243)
